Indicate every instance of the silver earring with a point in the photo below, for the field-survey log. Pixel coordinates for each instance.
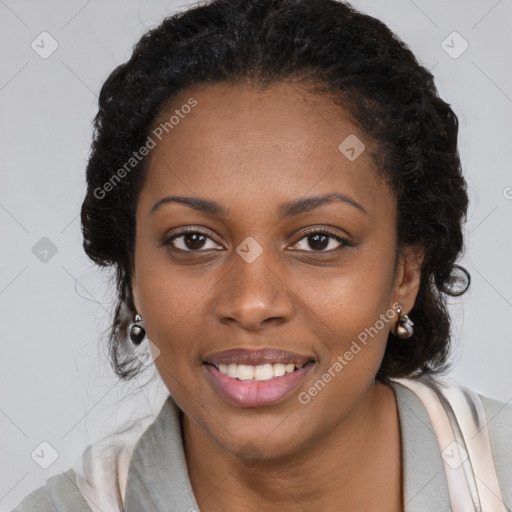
(404, 325)
(137, 331)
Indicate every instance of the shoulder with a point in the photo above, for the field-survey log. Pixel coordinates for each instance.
(96, 481)
(499, 421)
(59, 494)
(483, 426)
(499, 415)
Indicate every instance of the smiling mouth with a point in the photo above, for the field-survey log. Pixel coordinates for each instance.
(259, 385)
(258, 373)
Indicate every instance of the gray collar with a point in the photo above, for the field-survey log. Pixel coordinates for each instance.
(425, 485)
(158, 479)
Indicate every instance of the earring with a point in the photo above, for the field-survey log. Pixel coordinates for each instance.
(137, 331)
(404, 325)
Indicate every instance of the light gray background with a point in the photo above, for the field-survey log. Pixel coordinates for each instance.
(56, 384)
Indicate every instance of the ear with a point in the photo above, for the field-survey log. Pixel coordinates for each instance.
(408, 276)
(135, 294)
(133, 284)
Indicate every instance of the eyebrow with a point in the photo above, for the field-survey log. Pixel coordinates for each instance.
(287, 209)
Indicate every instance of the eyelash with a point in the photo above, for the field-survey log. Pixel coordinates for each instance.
(314, 231)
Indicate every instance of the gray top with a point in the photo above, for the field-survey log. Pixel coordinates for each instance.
(158, 481)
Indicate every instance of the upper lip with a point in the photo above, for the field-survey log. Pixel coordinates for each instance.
(257, 357)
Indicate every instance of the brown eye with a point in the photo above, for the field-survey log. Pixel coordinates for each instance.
(320, 241)
(191, 241)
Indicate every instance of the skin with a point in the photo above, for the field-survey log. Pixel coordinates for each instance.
(251, 151)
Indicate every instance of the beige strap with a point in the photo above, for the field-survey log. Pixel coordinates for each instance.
(102, 471)
(470, 414)
(464, 442)
(460, 493)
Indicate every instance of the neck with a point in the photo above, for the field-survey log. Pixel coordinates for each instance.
(357, 466)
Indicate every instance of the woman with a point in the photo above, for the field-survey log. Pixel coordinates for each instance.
(277, 185)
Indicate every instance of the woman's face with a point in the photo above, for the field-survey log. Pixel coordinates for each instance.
(266, 268)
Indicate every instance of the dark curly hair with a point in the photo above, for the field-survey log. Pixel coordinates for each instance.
(334, 50)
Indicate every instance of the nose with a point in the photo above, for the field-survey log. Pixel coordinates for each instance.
(254, 295)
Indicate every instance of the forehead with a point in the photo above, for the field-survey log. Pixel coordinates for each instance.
(241, 143)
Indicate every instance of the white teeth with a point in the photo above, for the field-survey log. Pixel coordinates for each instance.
(245, 372)
(232, 370)
(260, 372)
(279, 369)
(263, 372)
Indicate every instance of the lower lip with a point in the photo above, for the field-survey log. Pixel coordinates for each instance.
(257, 394)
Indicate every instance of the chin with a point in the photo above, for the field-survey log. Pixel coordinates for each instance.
(257, 445)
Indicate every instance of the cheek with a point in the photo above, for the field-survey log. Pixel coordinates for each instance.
(351, 322)
(171, 306)
(176, 306)
(351, 313)
(353, 294)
